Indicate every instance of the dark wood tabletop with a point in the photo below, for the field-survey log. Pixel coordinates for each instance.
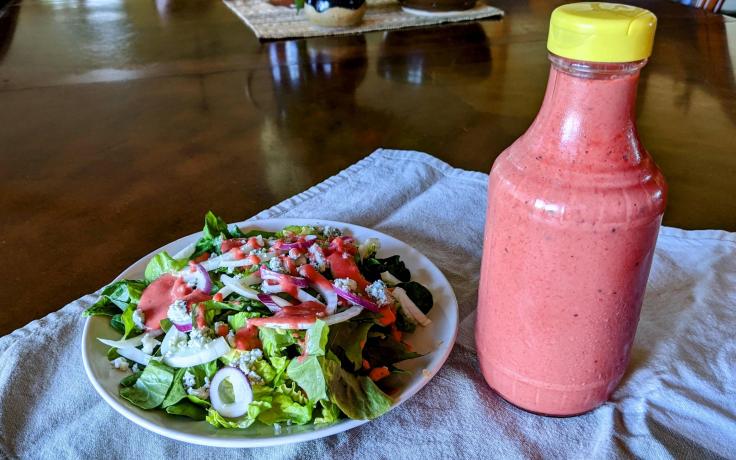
(122, 123)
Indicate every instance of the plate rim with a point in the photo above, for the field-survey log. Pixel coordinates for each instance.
(292, 438)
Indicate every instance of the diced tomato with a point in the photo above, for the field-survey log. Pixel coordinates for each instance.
(343, 245)
(379, 373)
(253, 242)
(201, 319)
(366, 364)
(237, 253)
(395, 333)
(247, 338)
(289, 264)
(254, 259)
(342, 267)
(222, 330)
(217, 297)
(227, 245)
(201, 258)
(387, 316)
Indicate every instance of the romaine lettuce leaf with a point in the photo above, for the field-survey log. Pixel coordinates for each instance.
(358, 397)
(349, 337)
(214, 418)
(286, 404)
(329, 412)
(275, 341)
(307, 373)
(150, 389)
(316, 339)
(238, 320)
(160, 264)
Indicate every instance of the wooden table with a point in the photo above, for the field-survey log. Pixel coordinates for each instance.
(121, 123)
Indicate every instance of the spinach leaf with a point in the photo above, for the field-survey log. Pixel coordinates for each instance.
(130, 380)
(128, 323)
(419, 294)
(372, 268)
(116, 297)
(177, 392)
(116, 322)
(150, 389)
(187, 409)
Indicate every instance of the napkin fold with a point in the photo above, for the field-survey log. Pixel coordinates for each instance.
(678, 399)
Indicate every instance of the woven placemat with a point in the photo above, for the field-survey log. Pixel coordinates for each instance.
(271, 22)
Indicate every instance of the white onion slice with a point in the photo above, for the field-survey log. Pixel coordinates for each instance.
(253, 278)
(242, 392)
(237, 287)
(132, 342)
(410, 307)
(235, 263)
(186, 252)
(188, 357)
(350, 313)
(172, 336)
(225, 291)
(304, 296)
(390, 279)
(134, 354)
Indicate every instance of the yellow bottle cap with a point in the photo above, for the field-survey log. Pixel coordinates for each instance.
(601, 32)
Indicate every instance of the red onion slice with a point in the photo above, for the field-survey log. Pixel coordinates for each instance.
(241, 392)
(267, 274)
(271, 303)
(204, 282)
(356, 299)
(183, 327)
(322, 285)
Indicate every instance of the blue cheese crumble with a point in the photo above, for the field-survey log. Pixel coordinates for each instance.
(379, 292)
(178, 313)
(346, 284)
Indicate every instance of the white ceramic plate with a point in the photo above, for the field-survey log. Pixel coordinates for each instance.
(436, 340)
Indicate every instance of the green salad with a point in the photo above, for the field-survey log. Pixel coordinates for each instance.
(304, 325)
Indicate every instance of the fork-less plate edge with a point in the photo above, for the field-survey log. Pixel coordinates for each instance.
(439, 355)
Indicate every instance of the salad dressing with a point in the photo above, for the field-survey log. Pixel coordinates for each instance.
(161, 293)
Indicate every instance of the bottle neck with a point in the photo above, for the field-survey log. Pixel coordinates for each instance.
(588, 108)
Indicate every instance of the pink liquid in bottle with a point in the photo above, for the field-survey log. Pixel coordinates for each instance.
(574, 208)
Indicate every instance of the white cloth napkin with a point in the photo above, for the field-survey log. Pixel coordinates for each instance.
(678, 399)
